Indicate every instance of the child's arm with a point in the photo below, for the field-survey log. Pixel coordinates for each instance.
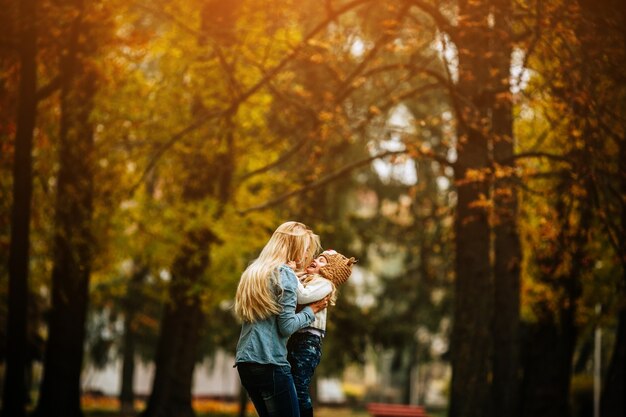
(316, 289)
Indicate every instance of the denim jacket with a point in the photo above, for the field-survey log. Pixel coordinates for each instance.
(265, 341)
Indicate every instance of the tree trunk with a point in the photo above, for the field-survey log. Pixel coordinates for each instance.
(551, 343)
(73, 243)
(14, 388)
(176, 349)
(507, 248)
(409, 385)
(614, 388)
(547, 361)
(471, 333)
(131, 306)
(127, 393)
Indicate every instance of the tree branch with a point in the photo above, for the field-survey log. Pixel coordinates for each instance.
(280, 160)
(159, 152)
(319, 183)
(270, 74)
(440, 20)
(371, 54)
(48, 89)
(328, 178)
(535, 154)
(205, 117)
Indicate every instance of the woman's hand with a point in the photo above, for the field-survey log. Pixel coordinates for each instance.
(292, 265)
(319, 305)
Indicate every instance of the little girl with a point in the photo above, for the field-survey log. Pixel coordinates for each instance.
(304, 349)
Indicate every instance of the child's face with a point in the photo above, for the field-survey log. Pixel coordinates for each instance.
(317, 264)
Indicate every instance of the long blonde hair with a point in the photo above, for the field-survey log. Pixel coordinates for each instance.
(255, 299)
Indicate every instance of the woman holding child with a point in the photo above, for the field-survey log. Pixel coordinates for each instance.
(266, 303)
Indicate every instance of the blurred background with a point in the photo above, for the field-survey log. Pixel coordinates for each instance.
(471, 154)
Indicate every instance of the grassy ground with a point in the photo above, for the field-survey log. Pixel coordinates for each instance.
(320, 412)
(108, 407)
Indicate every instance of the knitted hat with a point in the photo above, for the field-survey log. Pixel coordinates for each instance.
(338, 268)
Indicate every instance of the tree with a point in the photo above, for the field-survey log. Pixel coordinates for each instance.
(73, 240)
(473, 305)
(14, 393)
(131, 307)
(570, 195)
(507, 250)
(183, 317)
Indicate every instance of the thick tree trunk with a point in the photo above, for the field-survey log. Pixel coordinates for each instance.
(473, 308)
(73, 243)
(171, 388)
(547, 361)
(507, 250)
(180, 328)
(614, 387)
(176, 350)
(14, 388)
(551, 342)
(60, 390)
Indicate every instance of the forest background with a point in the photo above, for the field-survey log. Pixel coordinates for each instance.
(149, 148)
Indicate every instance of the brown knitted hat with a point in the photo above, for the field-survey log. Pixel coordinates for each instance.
(338, 269)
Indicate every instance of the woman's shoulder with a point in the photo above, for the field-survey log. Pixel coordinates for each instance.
(287, 274)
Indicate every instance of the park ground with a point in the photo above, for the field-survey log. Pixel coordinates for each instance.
(108, 407)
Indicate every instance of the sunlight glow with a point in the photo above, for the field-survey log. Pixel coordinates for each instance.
(402, 170)
(357, 48)
(519, 74)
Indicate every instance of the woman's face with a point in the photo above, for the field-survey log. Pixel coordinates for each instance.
(317, 264)
(302, 258)
(311, 246)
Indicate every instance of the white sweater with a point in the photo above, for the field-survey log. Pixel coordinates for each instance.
(316, 289)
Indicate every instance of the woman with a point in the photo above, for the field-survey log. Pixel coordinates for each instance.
(266, 303)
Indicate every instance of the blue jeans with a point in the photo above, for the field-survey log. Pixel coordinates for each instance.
(304, 352)
(270, 388)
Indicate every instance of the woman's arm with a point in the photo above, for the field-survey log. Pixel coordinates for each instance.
(288, 320)
(316, 289)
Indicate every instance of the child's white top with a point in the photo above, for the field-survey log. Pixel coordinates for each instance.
(316, 289)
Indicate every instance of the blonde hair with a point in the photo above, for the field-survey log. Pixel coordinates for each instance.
(255, 299)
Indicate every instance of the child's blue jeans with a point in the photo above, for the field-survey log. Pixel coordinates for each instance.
(304, 352)
(270, 388)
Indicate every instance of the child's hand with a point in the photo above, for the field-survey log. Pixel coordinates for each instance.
(292, 265)
(320, 305)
